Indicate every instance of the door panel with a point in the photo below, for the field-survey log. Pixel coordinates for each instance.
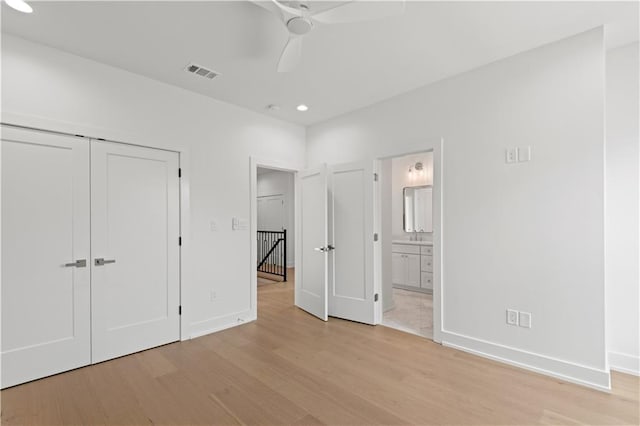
(45, 226)
(351, 284)
(413, 270)
(398, 269)
(134, 222)
(271, 214)
(311, 276)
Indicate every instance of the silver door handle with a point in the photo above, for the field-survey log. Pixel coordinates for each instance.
(324, 249)
(78, 264)
(101, 261)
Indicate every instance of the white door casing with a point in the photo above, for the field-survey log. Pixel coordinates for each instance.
(134, 222)
(312, 241)
(45, 230)
(351, 231)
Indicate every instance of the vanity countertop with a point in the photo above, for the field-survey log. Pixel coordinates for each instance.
(413, 243)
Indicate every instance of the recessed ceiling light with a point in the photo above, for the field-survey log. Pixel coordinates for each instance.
(302, 107)
(19, 5)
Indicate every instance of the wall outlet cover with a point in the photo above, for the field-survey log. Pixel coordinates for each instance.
(525, 319)
(511, 155)
(524, 154)
(512, 317)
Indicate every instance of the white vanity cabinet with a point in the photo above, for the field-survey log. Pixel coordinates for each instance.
(412, 267)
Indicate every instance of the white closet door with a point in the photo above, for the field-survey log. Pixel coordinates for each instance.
(45, 231)
(351, 284)
(135, 229)
(311, 273)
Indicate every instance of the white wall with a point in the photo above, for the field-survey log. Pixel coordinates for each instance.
(47, 88)
(526, 236)
(402, 179)
(622, 214)
(281, 183)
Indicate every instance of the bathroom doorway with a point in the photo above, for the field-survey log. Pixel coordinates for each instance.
(407, 252)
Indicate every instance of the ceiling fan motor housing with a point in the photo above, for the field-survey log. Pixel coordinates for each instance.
(299, 25)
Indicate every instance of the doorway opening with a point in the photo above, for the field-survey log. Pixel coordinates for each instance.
(275, 230)
(407, 249)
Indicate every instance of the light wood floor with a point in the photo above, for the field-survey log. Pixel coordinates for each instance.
(290, 368)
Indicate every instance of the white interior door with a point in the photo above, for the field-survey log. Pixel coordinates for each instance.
(351, 229)
(311, 272)
(271, 214)
(135, 229)
(45, 239)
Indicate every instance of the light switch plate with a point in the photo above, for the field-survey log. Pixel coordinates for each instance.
(512, 317)
(524, 154)
(239, 224)
(511, 155)
(525, 319)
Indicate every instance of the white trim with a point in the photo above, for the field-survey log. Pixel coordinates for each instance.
(254, 163)
(213, 325)
(554, 367)
(109, 135)
(624, 363)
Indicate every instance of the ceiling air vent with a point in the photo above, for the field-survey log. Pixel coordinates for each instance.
(201, 71)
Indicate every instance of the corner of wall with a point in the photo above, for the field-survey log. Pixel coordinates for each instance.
(624, 363)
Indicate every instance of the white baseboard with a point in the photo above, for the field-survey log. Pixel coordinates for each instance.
(212, 325)
(291, 264)
(565, 370)
(624, 363)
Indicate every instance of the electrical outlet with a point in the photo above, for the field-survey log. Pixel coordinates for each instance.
(213, 226)
(524, 154)
(213, 296)
(525, 319)
(512, 317)
(511, 155)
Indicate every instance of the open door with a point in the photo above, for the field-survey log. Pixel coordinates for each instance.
(311, 219)
(351, 231)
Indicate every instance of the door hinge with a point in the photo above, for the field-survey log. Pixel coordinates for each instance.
(375, 297)
(179, 241)
(375, 237)
(179, 172)
(375, 177)
(179, 309)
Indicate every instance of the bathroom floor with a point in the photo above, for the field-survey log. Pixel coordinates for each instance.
(412, 313)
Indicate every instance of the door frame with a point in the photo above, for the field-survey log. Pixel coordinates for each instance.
(437, 147)
(41, 124)
(277, 165)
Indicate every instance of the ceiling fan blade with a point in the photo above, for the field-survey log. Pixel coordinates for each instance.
(291, 54)
(289, 10)
(360, 11)
(270, 6)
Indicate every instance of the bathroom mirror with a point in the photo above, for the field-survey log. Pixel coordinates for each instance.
(417, 215)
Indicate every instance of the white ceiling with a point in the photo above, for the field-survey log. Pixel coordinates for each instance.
(344, 67)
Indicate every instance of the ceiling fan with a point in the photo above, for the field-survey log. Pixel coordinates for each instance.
(300, 19)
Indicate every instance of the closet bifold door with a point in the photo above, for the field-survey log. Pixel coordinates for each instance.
(45, 254)
(135, 253)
